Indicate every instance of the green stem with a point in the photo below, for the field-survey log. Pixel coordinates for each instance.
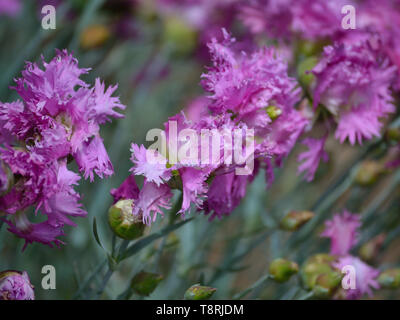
(255, 285)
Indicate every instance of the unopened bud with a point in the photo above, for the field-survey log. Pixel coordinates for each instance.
(273, 112)
(15, 285)
(295, 219)
(281, 269)
(123, 222)
(306, 77)
(390, 279)
(144, 283)
(370, 249)
(94, 36)
(179, 35)
(368, 173)
(326, 284)
(198, 292)
(314, 267)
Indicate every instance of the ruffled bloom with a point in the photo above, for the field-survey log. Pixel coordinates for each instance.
(342, 230)
(312, 157)
(353, 83)
(365, 277)
(15, 285)
(225, 193)
(248, 93)
(57, 120)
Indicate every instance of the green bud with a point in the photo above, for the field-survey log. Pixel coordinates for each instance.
(273, 112)
(281, 269)
(390, 279)
(370, 249)
(295, 219)
(180, 35)
(306, 77)
(123, 222)
(144, 283)
(314, 267)
(198, 292)
(369, 173)
(326, 284)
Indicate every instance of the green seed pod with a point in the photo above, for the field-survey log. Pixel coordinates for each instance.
(198, 292)
(123, 222)
(369, 173)
(144, 283)
(6, 179)
(273, 112)
(295, 219)
(390, 279)
(281, 269)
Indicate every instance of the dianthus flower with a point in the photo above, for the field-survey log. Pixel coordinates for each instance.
(15, 285)
(365, 277)
(57, 120)
(248, 92)
(311, 158)
(353, 83)
(342, 230)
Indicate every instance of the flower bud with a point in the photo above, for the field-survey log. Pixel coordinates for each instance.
(273, 112)
(390, 279)
(123, 222)
(281, 269)
(144, 283)
(179, 35)
(198, 292)
(306, 77)
(326, 284)
(295, 219)
(94, 36)
(368, 173)
(370, 249)
(312, 270)
(15, 285)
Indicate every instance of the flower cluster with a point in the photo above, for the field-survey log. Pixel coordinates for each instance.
(57, 121)
(247, 91)
(343, 232)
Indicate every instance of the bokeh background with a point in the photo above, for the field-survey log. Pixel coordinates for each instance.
(157, 59)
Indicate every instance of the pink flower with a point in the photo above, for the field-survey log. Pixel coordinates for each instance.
(353, 83)
(15, 285)
(365, 277)
(342, 230)
(127, 190)
(152, 169)
(312, 157)
(58, 119)
(152, 199)
(225, 193)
